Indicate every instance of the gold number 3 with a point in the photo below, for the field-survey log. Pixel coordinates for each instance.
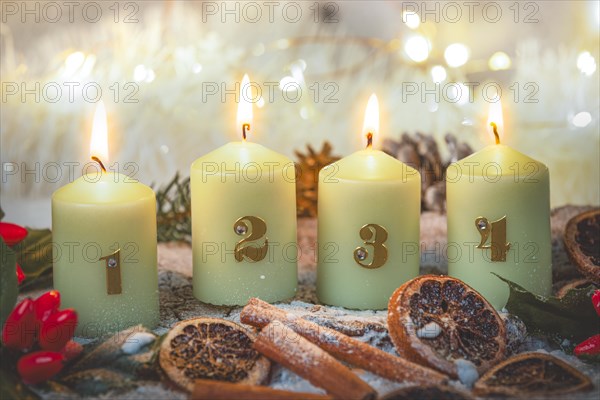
(375, 236)
(257, 229)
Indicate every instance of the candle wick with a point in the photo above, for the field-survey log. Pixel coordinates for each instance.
(244, 128)
(495, 129)
(369, 140)
(99, 162)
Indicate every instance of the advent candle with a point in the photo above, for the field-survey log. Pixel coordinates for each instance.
(498, 203)
(104, 245)
(368, 225)
(243, 220)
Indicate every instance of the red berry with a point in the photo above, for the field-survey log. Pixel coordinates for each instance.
(589, 347)
(596, 301)
(40, 366)
(72, 350)
(20, 274)
(11, 233)
(46, 305)
(58, 329)
(20, 328)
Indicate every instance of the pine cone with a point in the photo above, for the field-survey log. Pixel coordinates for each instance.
(307, 172)
(421, 152)
(458, 151)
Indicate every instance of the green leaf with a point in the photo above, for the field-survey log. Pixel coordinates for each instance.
(571, 317)
(34, 254)
(8, 281)
(105, 367)
(97, 381)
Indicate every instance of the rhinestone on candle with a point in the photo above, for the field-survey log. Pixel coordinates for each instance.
(361, 254)
(241, 229)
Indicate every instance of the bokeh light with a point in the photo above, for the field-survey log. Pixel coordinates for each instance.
(499, 61)
(456, 55)
(417, 48)
(586, 63)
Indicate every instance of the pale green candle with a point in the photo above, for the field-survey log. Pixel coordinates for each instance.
(498, 207)
(104, 250)
(368, 226)
(244, 222)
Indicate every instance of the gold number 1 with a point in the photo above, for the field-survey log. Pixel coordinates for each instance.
(113, 272)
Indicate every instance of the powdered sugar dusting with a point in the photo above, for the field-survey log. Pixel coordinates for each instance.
(284, 379)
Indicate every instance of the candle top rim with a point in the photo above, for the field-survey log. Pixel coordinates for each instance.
(370, 165)
(110, 188)
(502, 156)
(243, 153)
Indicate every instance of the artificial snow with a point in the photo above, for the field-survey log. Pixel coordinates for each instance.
(467, 372)
(136, 342)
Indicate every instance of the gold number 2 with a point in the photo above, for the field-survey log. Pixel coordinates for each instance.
(256, 228)
(497, 229)
(375, 236)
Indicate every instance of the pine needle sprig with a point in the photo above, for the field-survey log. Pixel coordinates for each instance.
(173, 206)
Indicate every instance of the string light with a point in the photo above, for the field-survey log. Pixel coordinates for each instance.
(499, 61)
(74, 61)
(142, 73)
(417, 48)
(456, 55)
(586, 63)
(582, 119)
(411, 19)
(438, 74)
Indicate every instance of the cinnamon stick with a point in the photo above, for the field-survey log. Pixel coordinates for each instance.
(352, 351)
(281, 344)
(205, 389)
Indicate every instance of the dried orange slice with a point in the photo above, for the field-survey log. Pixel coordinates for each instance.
(211, 348)
(436, 320)
(582, 240)
(433, 392)
(532, 374)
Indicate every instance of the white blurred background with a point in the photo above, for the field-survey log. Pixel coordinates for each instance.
(158, 63)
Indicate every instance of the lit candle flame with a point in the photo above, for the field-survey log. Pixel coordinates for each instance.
(244, 113)
(99, 141)
(495, 118)
(371, 124)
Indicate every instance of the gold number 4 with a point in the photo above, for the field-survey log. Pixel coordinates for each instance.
(497, 230)
(375, 236)
(256, 229)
